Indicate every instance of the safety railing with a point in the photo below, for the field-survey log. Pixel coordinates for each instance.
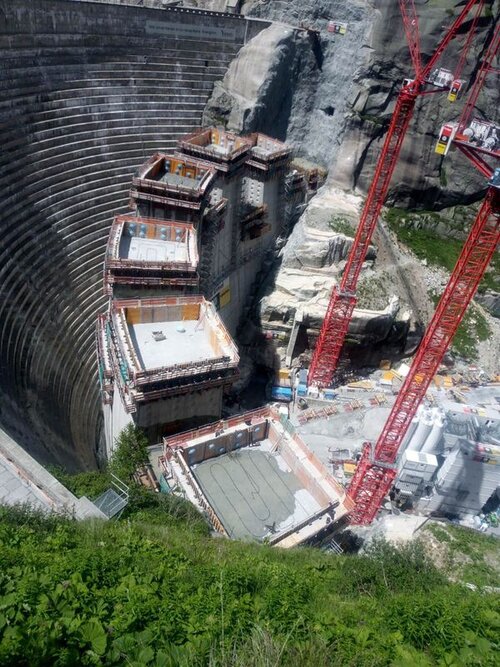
(183, 203)
(253, 416)
(200, 497)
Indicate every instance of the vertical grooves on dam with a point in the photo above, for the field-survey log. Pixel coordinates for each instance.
(86, 94)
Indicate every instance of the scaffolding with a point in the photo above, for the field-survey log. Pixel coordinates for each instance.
(122, 267)
(139, 382)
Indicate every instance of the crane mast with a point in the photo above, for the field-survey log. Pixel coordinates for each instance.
(343, 298)
(376, 470)
(375, 474)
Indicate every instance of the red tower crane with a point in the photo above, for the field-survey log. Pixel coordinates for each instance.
(343, 298)
(376, 471)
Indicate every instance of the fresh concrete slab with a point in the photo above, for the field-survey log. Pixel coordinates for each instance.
(183, 181)
(181, 342)
(254, 493)
(154, 250)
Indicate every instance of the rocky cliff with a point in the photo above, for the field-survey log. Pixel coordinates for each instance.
(331, 97)
(345, 93)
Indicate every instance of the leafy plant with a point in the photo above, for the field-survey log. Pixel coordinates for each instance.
(130, 452)
(474, 328)
(339, 224)
(90, 484)
(417, 232)
(136, 593)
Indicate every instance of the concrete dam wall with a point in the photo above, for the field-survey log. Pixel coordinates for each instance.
(87, 92)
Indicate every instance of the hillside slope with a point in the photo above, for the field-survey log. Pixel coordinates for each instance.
(142, 593)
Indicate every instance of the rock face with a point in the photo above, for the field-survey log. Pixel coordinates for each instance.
(311, 264)
(257, 89)
(343, 90)
(491, 301)
(344, 96)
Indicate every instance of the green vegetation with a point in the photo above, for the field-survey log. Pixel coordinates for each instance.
(144, 506)
(220, 121)
(426, 244)
(341, 225)
(474, 328)
(467, 556)
(154, 589)
(90, 484)
(429, 245)
(130, 452)
(130, 593)
(371, 118)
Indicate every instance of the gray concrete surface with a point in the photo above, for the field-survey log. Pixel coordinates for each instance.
(185, 341)
(23, 481)
(348, 430)
(13, 490)
(89, 91)
(253, 493)
(153, 250)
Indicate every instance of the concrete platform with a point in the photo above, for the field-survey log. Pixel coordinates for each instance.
(13, 490)
(253, 492)
(182, 181)
(23, 481)
(153, 250)
(184, 341)
(347, 430)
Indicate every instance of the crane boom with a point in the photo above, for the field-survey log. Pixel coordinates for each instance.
(343, 298)
(486, 66)
(449, 35)
(410, 24)
(470, 36)
(374, 476)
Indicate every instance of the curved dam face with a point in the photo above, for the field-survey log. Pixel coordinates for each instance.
(87, 93)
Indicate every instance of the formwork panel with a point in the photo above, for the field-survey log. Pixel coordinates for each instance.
(190, 312)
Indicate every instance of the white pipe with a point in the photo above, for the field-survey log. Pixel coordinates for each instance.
(422, 432)
(436, 433)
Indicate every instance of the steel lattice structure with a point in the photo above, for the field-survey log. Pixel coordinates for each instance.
(376, 470)
(343, 299)
(372, 480)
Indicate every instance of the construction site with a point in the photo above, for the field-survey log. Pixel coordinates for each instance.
(255, 479)
(227, 268)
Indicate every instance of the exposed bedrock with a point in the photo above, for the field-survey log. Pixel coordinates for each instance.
(340, 96)
(257, 90)
(311, 265)
(87, 92)
(346, 87)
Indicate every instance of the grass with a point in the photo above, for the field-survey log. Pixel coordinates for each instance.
(470, 557)
(474, 328)
(424, 243)
(90, 484)
(132, 593)
(437, 250)
(339, 224)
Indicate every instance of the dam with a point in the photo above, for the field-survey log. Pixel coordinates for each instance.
(89, 91)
